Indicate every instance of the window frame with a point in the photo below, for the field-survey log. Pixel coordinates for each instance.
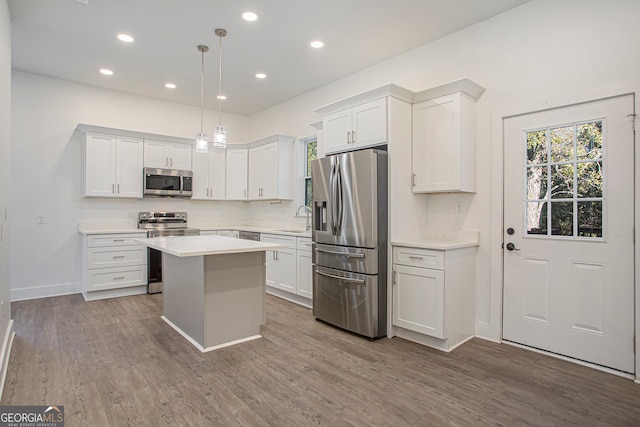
(304, 167)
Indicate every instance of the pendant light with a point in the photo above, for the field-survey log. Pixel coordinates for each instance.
(220, 132)
(202, 143)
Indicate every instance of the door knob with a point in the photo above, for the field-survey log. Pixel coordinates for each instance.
(512, 247)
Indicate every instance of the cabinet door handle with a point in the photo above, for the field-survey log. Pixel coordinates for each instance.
(118, 240)
(118, 256)
(113, 188)
(417, 258)
(118, 188)
(395, 278)
(353, 136)
(166, 161)
(118, 278)
(413, 180)
(171, 162)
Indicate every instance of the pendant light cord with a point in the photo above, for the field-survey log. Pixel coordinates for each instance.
(220, 35)
(202, 93)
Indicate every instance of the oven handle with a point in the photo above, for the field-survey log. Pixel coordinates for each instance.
(340, 253)
(340, 277)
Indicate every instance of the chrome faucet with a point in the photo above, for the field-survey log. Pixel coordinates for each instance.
(308, 211)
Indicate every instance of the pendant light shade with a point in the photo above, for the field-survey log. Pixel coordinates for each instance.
(202, 143)
(220, 132)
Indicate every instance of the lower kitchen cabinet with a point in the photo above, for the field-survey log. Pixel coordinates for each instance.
(305, 270)
(114, 265)
(289, 272)
(433, 292)
(281, 263)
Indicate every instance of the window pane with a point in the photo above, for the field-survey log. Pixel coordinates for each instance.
(562, 181)
(562, 144)
(536, 182)
(590, 219)
(537, 218)
(312, 154)
(562, 219)
(307, 193)
(589, 141)
(537, 147)
(590, 179)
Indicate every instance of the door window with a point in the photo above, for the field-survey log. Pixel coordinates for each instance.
(564, 194)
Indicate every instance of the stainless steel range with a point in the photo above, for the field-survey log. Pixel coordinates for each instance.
(162, 224)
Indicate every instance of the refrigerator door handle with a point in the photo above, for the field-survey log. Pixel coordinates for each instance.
(339, 199)
(340, 253)
(340, 277)
(332, 197)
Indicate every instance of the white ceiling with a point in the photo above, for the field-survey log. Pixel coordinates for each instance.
(71, 40)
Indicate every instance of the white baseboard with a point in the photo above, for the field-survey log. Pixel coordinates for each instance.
(5, 353)
(46, 291)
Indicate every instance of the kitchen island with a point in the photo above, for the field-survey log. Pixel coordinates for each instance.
(214, 288)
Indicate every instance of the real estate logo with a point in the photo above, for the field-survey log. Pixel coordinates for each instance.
(31, 416)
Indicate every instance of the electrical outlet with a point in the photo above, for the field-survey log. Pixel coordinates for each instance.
(40, 219)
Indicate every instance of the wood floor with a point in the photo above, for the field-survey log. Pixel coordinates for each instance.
(116, 363)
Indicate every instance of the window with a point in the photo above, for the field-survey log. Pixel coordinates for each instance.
(564, 180)
(310, 152)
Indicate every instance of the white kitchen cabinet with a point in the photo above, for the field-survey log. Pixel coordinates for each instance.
(443, 146)
(209, 175)
(304, 286)
(236, 174)
(270, 168)
(114, 265)
(361, 121)
(433, 295)
(281, 263)
(165, 154)
(113, 166)
(358, 127)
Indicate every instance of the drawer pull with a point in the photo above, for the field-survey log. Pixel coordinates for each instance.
(118, 240)
(417, 258)
(118, 278)
(118, 256)
(340, 253)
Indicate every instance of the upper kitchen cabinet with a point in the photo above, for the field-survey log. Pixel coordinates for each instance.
(165, 154)
(113, 166)
(237, 167)
(209, 175)
(271, 168)
(364, 120)
(443, 150)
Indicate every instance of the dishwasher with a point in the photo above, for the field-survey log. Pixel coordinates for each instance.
(249, 235)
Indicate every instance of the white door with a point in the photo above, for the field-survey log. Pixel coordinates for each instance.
(568, 232)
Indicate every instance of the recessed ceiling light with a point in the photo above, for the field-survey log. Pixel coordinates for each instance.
(106, 71)
(125, 38)
(316, 44)
(250, 16)
(170, 85)
(261, 76)
(221, 97)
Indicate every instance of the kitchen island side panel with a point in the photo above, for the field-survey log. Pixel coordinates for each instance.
(183, 289)
(234, 297)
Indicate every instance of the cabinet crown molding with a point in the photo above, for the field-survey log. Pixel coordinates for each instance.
(84, 128)
(371, 95)
(463, 85)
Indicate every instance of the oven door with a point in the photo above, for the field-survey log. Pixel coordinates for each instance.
(346, 300)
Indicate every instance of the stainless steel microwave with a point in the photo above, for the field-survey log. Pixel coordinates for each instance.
(167, 183)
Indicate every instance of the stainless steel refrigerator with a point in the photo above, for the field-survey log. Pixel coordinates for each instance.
(350, 241)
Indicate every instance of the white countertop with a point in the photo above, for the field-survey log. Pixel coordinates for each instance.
(441, 245)
(185, 246)
(440, 240)
(89, 229)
